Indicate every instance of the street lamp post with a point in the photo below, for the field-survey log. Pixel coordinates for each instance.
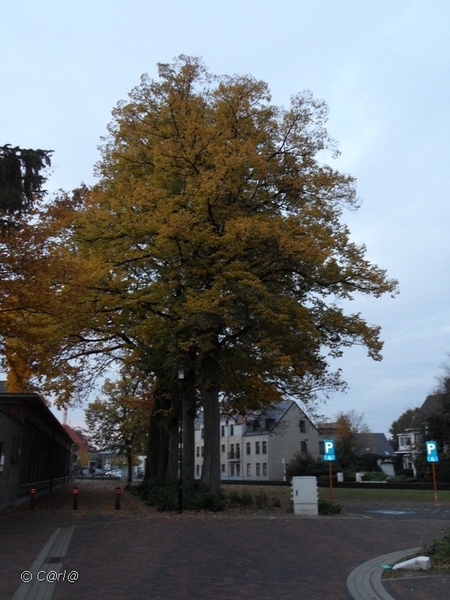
(180, 442)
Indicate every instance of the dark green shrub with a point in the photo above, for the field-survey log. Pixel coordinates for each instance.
(204, 500)
(163, 497)
(261, 500)
(302, 464)
(239, 500)
(439, 550)
(367, 462)
(375, 476)
(326, 507)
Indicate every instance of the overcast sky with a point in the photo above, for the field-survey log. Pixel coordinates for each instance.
(383, 68)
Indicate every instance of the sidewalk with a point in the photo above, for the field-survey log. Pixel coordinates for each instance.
(135, 553)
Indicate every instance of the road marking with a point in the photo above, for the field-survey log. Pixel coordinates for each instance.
(49, 559)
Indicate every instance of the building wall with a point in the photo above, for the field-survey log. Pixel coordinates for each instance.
(11, 438)
(261, 454)
(36, 449)
(294, 433)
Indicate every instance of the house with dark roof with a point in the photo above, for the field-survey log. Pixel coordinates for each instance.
(413, 437)
(374, 443)
(257, 446)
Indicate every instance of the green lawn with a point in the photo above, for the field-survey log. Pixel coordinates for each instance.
(381, 495)
(362, 495)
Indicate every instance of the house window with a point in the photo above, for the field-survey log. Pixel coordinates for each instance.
(198, 451)
(248, 449)
(258, 469)
(265, 469)
(238, 451)
(303, 446)
(302, 426)
(222, 431)
(231, 451)
(202, 433)
(257, 447)
(264, 447)
(223, 449)
(249, 470)
(223, 468)
(231, 429)
(238, 469)
(232, 469)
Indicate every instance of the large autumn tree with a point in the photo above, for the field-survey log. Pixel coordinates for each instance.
(215, 239)
(221, 233)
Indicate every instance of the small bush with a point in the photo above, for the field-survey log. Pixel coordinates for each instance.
(275, 503)
(326, 507)
(239, 499)
(375, 476)
(165, 499)
(204, 500)
(261, 500)
(439, 550)
(302, 464)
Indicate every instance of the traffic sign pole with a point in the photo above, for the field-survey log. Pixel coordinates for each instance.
(330, 468)
(433, 470)
(433, 458)
(328, 446)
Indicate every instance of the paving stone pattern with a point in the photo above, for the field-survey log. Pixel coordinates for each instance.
(136, 553)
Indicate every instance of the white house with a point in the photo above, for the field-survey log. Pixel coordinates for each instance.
(414, 437)
(258, 446)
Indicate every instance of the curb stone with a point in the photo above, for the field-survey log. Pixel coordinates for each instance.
(364, 582)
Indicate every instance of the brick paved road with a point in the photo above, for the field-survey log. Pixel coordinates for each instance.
(137, 554)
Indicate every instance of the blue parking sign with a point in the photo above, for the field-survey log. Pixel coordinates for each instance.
(329, 452)
(432, 453)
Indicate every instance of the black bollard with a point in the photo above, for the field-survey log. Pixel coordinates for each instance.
(75, 498)
(32, 495)
(118, 494)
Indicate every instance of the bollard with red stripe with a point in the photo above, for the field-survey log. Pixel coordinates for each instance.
(75, 498)
(118, 495)
(32, 496)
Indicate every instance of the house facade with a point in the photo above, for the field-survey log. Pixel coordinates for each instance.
(258, 446)
(414, 436)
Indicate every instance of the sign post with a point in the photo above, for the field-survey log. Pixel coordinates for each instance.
(433, 458)
(330, 456)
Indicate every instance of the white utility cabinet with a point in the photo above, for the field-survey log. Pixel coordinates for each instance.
(304, 496)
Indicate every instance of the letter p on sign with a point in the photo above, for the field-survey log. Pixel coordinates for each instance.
(328, 450)
(432, 454)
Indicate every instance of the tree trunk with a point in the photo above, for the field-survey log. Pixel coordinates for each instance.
(172, 463)
(210, 377)
(130, 468)
(189, 435)
(158, 443)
